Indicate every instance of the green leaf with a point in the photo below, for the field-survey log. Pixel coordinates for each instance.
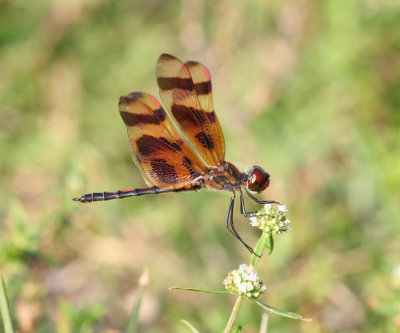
(270, 244)
(82, 319)
(200, 290)
(5, 309)
(259, 249)
(291, 315)
(189, 325)
(236, 329)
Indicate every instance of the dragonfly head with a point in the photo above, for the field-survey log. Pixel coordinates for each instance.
(257, 179)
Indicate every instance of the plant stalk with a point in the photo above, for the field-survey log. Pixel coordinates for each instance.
(234, 313)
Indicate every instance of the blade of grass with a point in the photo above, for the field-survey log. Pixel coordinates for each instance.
(134, 320)
(5, 309)
(190, 326)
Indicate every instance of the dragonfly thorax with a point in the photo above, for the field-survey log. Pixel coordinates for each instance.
(225, 176)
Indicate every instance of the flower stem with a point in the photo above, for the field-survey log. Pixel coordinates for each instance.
(234, 312)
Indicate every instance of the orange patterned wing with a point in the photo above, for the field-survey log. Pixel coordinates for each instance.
(185, 90)
(164, 159)
(202, 84)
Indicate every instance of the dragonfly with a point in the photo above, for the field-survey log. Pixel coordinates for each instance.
(184, 149)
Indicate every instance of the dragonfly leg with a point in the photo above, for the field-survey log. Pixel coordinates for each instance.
(230, 225)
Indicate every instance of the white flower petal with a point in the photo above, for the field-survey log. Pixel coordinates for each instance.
(268, 207)
(282, 208)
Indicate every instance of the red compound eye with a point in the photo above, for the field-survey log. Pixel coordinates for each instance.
(257, 179)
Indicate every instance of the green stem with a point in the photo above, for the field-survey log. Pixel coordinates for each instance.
(253, 262)
(234, 313)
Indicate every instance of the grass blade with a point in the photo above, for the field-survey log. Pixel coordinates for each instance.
(5, 309)
(134, 320)
(190, 326)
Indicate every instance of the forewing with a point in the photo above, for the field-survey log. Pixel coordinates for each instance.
(164, 159)
(180, 91)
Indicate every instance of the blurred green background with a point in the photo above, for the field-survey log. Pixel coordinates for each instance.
(310, 90)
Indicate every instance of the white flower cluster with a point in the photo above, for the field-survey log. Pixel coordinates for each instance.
(244, 281)
(271, 220)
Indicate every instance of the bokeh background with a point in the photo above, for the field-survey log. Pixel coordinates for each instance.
(310, 90)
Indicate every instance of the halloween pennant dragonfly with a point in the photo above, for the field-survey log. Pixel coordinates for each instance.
(188, 155)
